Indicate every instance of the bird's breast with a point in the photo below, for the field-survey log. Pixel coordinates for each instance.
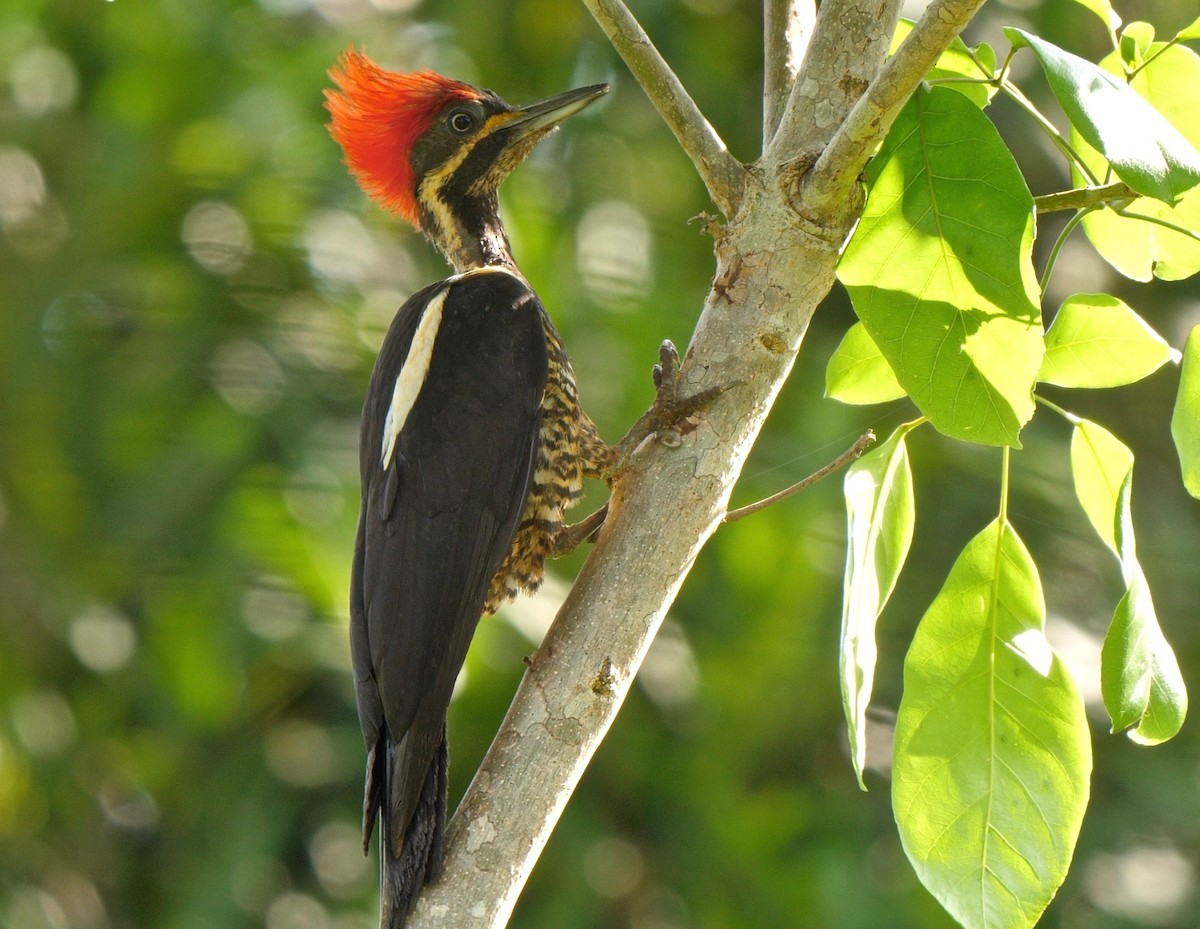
(565, 440)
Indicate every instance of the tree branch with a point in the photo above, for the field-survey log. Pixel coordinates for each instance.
(787, 28)
(835, 172)
(772, 270)
(662, 511)
(850, 39)
(723, 175)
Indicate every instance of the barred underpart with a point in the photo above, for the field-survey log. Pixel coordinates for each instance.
(569, 449)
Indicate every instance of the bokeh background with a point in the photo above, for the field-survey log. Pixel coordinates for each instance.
(191, 293)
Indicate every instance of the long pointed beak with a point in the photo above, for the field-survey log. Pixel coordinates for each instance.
(546, 114)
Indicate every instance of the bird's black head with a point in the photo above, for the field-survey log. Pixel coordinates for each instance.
(435, 150)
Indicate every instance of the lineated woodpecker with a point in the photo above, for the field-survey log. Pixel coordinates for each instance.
(473, 441)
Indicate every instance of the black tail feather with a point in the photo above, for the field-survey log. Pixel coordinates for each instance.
(420, 861)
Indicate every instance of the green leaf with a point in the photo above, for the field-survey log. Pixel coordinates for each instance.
(992, 756)
(858, 373)
(1136, 39)
(1190, 31)
(1096, 340)
(1140, 681)
(939, 270)
(1185, 420)
(1124, 665)
(1100, 464)
(1145, 150)
(1139, 248)
(879, 515)
(956, 62)
(1104, 10)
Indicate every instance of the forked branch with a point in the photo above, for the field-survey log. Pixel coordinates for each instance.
(773, 273)
(836, 169)
(848, 43)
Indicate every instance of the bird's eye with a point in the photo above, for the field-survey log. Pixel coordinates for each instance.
(461, 121)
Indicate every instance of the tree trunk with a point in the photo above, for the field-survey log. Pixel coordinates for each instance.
(775, 261)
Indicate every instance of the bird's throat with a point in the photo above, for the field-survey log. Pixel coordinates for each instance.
(470, 237)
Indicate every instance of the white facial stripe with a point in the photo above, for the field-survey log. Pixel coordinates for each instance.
(412, 374)
(486, 269)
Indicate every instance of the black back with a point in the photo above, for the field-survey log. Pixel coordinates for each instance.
(436, 524)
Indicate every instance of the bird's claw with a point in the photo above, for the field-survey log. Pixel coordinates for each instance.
(665, 372)
(569, 538)
(667, 416)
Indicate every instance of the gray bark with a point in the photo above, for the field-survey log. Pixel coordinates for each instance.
(775, 260)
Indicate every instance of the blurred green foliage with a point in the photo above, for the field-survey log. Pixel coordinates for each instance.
(191, 291)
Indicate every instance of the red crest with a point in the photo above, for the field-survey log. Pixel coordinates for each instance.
(377, 116)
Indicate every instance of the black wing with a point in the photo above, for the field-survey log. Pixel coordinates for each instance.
(437, 521)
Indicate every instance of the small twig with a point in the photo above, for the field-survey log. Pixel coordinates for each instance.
(723, 175)
(1084, 197)
(854, 451)
(835, 172)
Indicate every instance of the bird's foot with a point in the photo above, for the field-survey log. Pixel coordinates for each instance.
(569, 538)
(667, 417)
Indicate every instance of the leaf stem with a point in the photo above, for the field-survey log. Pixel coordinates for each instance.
(991, 76)
(1052, 260)
(1129, 76)
(1014, 93)
(1004, 476)
(1065, 414)
(1165, 223)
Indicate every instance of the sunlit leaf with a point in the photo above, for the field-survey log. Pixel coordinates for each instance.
(1124, 665)
(1185, 420)
(1136, 39)
(992, 756)
(1190, 31)
(1168, 705)
(1140, 680)
(1104, 10)
(1141, 684)
(1142, 688)
(957, 62)
(858, 373)
(1139, 248)
(1096, 340)
(1100, 464)
(939, 270)
(879, 514)
(1145, 150)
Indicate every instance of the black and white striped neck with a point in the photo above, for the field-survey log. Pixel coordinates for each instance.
(470, 235)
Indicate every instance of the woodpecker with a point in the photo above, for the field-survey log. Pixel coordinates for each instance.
(473, 442)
